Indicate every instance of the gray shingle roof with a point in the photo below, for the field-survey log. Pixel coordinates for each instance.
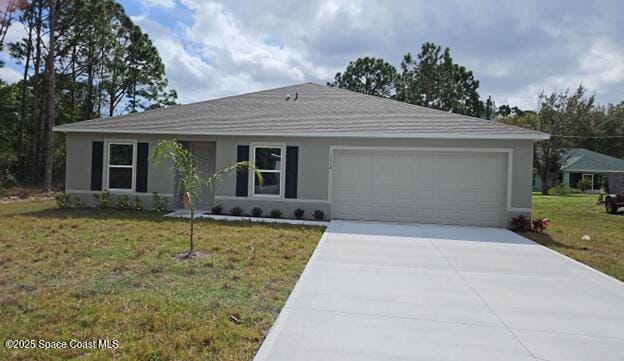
(318, 111)
(583, 160)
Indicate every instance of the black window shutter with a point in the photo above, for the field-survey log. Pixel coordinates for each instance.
(141, 171)
(292, 171)
(242, 177)
(97, 165)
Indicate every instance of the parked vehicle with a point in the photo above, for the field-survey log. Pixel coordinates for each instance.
(615, 198)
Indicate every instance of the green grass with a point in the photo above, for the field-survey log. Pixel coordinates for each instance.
(87, 274)
(577, 215)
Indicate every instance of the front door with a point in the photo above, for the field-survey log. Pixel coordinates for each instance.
(205, 154)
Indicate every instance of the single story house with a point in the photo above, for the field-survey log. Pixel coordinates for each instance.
(351, 155)
(582, 163)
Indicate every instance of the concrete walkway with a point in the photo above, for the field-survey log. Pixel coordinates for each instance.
(379, 291)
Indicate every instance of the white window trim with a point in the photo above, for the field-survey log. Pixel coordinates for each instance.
(592, 179)
(133, 143)
(281, 171)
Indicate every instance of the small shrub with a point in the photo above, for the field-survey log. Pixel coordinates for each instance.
(218, 209)
(584, 184)
(256, 212)
(159, 204)
(319, 215)
(77, 203)
(63, 200)
(540, 224)
(521, 223)
(101, 200)
(237, 211)
(137, 204)
(7, 180)
(299, 213)
(123, 203)
(560, 190)
(276, 213)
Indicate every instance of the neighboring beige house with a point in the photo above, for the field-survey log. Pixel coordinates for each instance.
(351, 155)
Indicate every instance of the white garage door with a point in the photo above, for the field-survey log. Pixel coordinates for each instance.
(420, 186)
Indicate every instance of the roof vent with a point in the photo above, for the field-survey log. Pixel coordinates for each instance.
(287, 97)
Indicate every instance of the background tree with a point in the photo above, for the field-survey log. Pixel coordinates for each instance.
(81, 59)
(612, 130)
(369, 76)
(548, 154)
(565, 117)
(53, 10)
(7, 12)
(435, 81)
(504, 111)
(190, 182)
(9, 110)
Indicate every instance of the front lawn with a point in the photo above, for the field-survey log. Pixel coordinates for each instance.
(577, 215)
(91, 275)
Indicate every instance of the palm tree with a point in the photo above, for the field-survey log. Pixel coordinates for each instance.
(190, 181)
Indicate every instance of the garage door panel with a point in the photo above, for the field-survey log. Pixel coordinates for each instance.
(448, 196)
(488, 198)
(404, 195)
(423, 181)
(383, 193)
(365, 211)
(467, 196)
(423, 213)
(343, 193)
(404, 212)
(421, 196)
(363, 192)
(411, 186)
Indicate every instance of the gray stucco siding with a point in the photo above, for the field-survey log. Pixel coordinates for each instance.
(314, 167)
(314, 155)
(78, 168)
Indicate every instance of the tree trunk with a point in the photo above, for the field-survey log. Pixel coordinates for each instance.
(23, 94)
(36, 106)
(49, 134)
(545, 185)
(74, 106)
(88, 104)
(111, 105)
(192, 228)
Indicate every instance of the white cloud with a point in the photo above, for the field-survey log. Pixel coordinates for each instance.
(598, 68)
(15, 33)
(216, 56)
(603, 64)
(10, 75)
(191, 75)
(515, 49)
(167, 4)
(228, 44)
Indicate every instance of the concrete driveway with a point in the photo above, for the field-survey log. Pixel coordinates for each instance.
(379, 291)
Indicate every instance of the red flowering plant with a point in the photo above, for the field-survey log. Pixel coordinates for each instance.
(540, 224)
(521, 223)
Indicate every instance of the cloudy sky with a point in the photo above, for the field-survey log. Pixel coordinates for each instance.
(515, 48)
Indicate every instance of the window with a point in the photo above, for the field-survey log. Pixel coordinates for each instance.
(591, 179)
(268, 160)
(121, 159)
